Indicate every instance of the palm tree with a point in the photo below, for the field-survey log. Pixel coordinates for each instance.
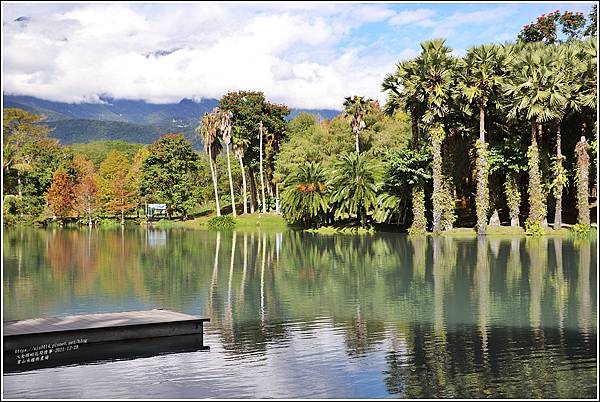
(262, 177)
(403, 91)
(208, 129)
(225, 127)
(305, 198)
(354, 186)
(239, 149)
(424, 85)
(568, 88)
(355, 109)
(529, 93)
(482, 74)
(437, 69)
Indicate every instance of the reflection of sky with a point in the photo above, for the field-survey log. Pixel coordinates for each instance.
(310, 365)
(307, 345)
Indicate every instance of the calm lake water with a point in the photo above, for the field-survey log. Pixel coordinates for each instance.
(302, 315)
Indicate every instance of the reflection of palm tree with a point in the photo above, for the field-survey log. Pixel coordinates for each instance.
(243, 284)
(438, 288)
(419, 256)
(584, 312)
(513, 265)
(228, 320)
(213, 283)
(262, 279)
(561, 286)
(482, 284)
(537, 249)
(357, 339)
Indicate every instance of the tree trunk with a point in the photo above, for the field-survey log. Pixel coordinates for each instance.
(536, 197)
(513, 198)
(543, 196)
(262, 178)
(437, 185)
(252, 189)
(20, 204)
(230, 183)
(558, 191)
(356, 140)
(583, 191)
(482, 200)
(213, 171)
(244, 193)
(415, 133)
(122, 216)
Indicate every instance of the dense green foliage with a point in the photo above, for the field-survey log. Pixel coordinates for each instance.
(98, 150)
(306, 197)
(170, 174)
(221, 223)
(355, 179)
(81, 130)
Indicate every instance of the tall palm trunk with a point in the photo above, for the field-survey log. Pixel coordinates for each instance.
(244, 190)
(482, 200)
(558, 191)
(419, 223)
(356, 139)
(536, 202)
(436, 139)
(513, 198)
(543, 197)
(213, 172)
(230, 182)
(252, 189)
(583, 175)
(262, 178)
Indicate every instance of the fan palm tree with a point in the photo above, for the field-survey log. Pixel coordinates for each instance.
(355, 110)
(437, 68)
(569, 88)
(305, 197)
(530, 93)
(354, 184)
(239, 149)
(208, 129)
(262, 176)
(225, 128)
(403, 92)
(482, 73)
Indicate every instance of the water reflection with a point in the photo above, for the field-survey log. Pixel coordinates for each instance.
(443, 317)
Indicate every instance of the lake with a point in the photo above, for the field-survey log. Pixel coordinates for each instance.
(303, 315)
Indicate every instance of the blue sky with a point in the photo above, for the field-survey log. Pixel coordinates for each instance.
(306, 55)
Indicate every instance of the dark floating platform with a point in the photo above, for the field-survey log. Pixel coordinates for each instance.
(54, 341)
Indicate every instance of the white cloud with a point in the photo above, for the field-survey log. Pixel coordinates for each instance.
(447, 26)
(162, 53)
(420, 17)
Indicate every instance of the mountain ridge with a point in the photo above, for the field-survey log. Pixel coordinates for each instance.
(130, 120)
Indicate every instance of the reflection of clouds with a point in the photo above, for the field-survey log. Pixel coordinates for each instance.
(423, 311)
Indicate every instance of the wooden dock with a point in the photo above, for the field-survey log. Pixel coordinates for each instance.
(39, 340)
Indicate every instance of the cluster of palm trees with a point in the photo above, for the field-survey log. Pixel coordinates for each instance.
(215, 130)
(512, 84)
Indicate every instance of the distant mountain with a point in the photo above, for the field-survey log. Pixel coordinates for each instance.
(73, 131)
(130, 120)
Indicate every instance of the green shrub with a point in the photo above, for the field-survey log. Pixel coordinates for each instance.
(580, 230)
(533, 228)
(221, 223)
(108, 223)
(10, 208)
